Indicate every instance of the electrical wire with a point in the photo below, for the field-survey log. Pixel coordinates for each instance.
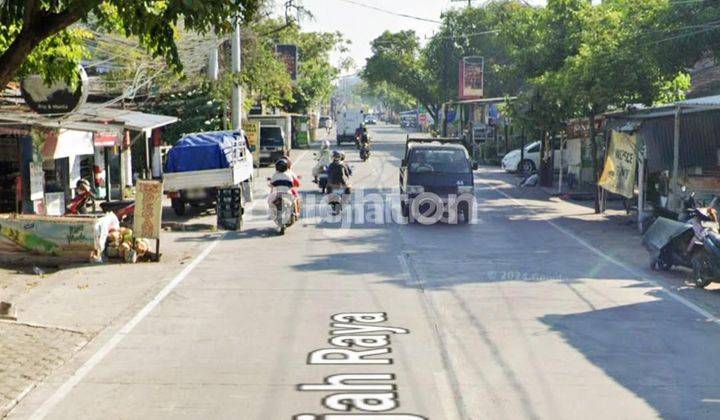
(389, 12)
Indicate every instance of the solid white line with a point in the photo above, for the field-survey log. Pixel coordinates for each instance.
(96, 358)
(697, 309)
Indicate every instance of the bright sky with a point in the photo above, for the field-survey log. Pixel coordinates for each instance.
(361, 24)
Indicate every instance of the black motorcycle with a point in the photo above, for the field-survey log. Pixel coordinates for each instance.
(365, 152)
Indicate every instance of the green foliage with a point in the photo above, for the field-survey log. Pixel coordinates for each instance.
(385, 95)
(197, 111)
(397, 61)
(316, 73)
(40, 26)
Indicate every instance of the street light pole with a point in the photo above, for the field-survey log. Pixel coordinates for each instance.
(236, 102)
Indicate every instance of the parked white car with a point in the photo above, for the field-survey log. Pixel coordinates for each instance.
(512, 161)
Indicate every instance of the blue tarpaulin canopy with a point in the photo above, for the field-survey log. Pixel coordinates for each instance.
(203, 151)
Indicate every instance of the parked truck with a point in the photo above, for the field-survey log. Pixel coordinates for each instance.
(275, 136)
(212, 169)
(348, 120)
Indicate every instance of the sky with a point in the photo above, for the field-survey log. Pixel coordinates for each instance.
(361, 24)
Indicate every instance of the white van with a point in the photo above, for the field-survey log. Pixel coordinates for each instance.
(347, 122)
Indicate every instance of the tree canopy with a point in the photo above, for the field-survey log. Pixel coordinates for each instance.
(37, 35)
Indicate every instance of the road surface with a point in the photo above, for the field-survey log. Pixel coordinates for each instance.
(513, 317)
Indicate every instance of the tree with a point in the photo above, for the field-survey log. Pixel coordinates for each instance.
(36, 35)
(385, 95)
(474, 31)
(316, 73)
(397, 61)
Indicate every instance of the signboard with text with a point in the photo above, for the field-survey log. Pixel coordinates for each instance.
(55, 98)
(620, 166)
(472, 78)
(252, 131)
(148, 209)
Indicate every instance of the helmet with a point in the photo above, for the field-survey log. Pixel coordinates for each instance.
(281, 165)
(325, 145)
(82, 184)
(337, 155)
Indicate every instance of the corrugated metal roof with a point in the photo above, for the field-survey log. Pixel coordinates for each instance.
(707, 101)
(132, 120)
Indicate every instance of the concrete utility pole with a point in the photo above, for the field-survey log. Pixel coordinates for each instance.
(213, 67)
(236, 103)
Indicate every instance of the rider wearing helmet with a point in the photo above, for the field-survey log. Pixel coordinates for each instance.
(284, 179)
(339, 172)
(324, 158)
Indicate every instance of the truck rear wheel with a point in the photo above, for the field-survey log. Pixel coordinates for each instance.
(178, 206)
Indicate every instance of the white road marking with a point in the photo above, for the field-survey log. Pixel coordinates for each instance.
(697, 309)
(96, 358)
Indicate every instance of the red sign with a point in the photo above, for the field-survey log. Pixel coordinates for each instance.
(103, 139)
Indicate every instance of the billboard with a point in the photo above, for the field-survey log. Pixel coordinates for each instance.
(288, 54)
(472, 78)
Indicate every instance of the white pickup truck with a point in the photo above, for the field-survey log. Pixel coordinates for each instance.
(202, 165)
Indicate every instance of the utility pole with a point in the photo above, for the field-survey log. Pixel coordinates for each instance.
(236, 102)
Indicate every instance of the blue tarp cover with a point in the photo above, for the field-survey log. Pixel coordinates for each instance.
(202, 151)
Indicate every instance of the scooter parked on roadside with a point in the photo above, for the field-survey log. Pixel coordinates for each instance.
(694, 244)
(84, 201)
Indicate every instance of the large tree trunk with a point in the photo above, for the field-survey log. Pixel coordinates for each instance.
(38, 25)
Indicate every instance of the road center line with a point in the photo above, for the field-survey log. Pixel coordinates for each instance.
(695, 308)
(96, 358)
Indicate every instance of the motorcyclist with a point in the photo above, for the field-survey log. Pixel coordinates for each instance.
(324, 158)
(364, 142)
(282, 180)
(359, 134)
(339, 173)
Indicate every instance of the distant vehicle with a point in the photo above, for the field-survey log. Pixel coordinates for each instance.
(441, 167)
(275, 136)
(325, 122)
(202, 163)
(370, 120)
(273, 144)
(347, 122)
(513, 161)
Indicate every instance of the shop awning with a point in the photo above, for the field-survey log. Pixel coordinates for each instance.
(132, 120)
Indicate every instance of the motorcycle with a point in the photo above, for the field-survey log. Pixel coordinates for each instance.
(694, 244)
(283, 210)
(365, 151)
(322, 180)
(84, 201)
(124, 210)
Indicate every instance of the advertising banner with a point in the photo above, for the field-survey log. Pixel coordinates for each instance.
(37, 181)
(288, 54)
(472, 78)
(620, 165)
(148, 209)
(70, 237)
(252, 131)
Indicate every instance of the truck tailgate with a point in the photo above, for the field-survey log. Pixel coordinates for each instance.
(220, 178)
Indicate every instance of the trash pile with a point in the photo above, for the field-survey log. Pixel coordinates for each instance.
(122, 244)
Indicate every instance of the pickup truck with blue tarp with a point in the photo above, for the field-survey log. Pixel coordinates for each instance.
(202, 166)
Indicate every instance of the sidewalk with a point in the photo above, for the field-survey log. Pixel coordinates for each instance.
(61, 309)
(614, 233)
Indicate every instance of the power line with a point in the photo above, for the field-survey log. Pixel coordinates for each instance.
(367, 6)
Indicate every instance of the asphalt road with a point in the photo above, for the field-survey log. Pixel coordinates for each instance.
(511, 317)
